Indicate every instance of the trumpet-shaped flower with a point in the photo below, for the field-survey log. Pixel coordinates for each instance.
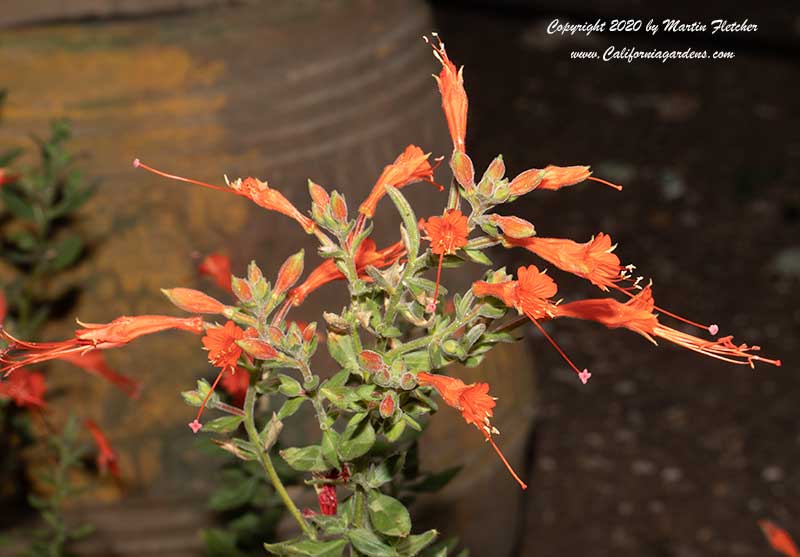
(446, 234)
(409, 167)
(475, 405)
(218, 267)
(454, 98)
(107, 457)
(24, 388)
(93, 336)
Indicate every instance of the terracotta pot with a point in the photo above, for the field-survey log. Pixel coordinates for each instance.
(331, 91)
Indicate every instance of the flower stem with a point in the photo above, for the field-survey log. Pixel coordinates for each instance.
(266, 463)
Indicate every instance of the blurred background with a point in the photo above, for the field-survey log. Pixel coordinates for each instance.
(663, 453)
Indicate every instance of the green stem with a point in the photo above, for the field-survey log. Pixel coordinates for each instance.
(266, 463)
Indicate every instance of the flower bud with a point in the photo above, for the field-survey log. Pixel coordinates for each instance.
(525, 182)
(557, 177)
(382, 378)
(336, 323)
(338, 208)
(371, 361)
(318, 195)
(254, 273)
(408, 381)
(289, 272)
(275, 334)
(193, 301)
(388, 405)
(463, 170)
(257, 348)
(514, 227)
(496, 170)
(241, 289)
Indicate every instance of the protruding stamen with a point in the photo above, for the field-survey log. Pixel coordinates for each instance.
(139, 164)
(558, 348)
(584, 376)
(605, 182)
(195, 426)
(522, 484)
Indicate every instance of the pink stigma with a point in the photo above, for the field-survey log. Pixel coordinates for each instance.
(195, 426)
(136, 163)
(584, 376)
(713, 329)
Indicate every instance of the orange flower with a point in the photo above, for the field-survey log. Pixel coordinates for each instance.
(474, 403)
(94, 336)
(25, 388)
(553, 178)
(778, 538)
(193, 301)
(93, 362)
(326, 272)
(218, 267)
(107, 458)
(253, 189)
(530, 294)
(409, 167)
(454, 97)
(446, 234)
(637, 316)
(7, 177)
(289, 272)
(223, 352)
(513, 227)
(593, 261)
(3, 308)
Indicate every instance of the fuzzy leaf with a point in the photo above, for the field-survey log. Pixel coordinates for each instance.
(388, 515)
(225, 424)
(409, 221)
(412, 545)
(232, 495)
(290, 407)
(65, 253)
(303, 547)
(305, 459)
(357, 442)
(272, 429)
(290, 387)
(330, 442)
(369, 544)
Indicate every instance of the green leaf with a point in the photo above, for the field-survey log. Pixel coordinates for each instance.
(330, 441)
(341, 397)
(478, 257)
(290, 407)
(305, 459)
(388, 515)
(65, 253)
(394, 433)
(16, 205)
(356, 443)
(225, 424)
(409, 221)
(412, 545)
(342, 350)
(220, 543)
(233, 494)
(307, 548)
(369, 544)
(289, 387)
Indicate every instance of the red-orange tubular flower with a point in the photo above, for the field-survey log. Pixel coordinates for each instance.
(409, 167)
(531, 295)
(94, 336)
(25, 388)
(637, 315)
(475, 405)
(223, 352)
(553, 178)
(326, 272)
(446, 234)
(107, 458)
(454, 98)
(593, 260)
(194, 301)
(218, 267)
(253, 189)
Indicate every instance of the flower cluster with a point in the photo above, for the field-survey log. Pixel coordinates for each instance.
(392, 344)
